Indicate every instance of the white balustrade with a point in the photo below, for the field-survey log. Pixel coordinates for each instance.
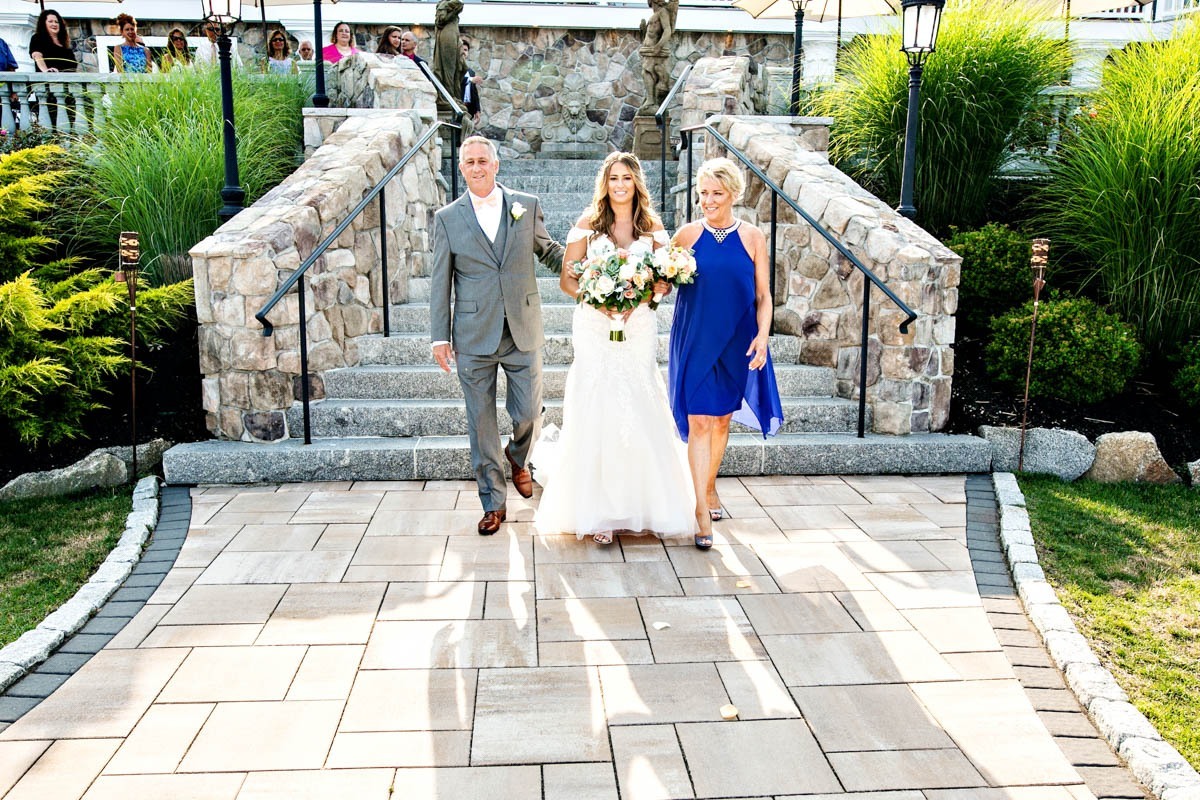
(65, 102)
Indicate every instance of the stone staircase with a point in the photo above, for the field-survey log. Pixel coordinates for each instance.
(396, 416)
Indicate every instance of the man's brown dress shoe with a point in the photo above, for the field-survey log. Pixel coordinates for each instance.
(491, 522)
(521, 477)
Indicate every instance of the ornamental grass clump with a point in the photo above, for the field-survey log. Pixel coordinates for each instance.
(157, 163)
(1125, 190)
(62, 326)
(991, 64)
(1082, 353)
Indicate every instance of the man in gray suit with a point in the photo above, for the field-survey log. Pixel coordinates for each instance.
(484, 244)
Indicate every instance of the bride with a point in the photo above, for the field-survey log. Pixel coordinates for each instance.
(619, 464)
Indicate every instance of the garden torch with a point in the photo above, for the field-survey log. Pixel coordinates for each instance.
(128, 255)
(1037, 262)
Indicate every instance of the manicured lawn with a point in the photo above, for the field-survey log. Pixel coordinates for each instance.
(49, 547)
(1125, 560)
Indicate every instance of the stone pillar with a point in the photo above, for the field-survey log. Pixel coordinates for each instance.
(16, 28)
(820, 55)
(1089, 55)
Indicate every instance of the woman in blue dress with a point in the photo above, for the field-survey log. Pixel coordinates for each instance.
(720, 368)
(131, 55)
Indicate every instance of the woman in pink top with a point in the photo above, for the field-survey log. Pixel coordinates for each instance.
(341, 44)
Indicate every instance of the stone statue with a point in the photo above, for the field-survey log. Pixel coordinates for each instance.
(574, 125)
(448, 63)
(655, 50)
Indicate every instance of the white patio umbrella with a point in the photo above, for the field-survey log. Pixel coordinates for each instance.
(42, 3)
(813, 11)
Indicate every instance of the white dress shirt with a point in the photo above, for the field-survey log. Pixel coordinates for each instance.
(488, 210)
(206, 53)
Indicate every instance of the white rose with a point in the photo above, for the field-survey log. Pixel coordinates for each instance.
(627, 271)
(605, 286)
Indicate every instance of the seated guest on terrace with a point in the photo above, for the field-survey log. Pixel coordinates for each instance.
(408, 46)
(177, 56)
(207, 53)
(390, 42)
(50, 47)
(341, 43)
(131, 55)
(279, 55)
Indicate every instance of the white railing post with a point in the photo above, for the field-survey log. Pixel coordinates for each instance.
(80, 92)
(7, 121)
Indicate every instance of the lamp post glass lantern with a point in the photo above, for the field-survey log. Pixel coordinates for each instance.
(922, 18)
(224, 14)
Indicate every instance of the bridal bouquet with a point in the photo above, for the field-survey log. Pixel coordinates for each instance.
(614, 280)
(675, 265)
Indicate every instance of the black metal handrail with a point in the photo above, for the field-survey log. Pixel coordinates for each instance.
(776, 193)
(660, 118)
(297, 277)
(457, 113)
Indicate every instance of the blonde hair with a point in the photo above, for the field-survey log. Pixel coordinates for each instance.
(725, 172)
(601, 216)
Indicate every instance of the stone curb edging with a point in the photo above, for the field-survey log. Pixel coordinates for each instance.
(1153, 761)
(35, 646)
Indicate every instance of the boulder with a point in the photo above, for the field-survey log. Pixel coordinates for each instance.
(149, 455)
(1130, 456)
(98, 469)
(1066, 454)
(1194, 473)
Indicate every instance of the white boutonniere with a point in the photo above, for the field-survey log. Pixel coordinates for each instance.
(517, 211)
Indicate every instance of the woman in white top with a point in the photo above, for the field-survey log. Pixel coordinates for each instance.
(618, 464)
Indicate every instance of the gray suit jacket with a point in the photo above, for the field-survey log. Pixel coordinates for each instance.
(492, 281)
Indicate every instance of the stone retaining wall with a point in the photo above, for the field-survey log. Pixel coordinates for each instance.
(249, 379)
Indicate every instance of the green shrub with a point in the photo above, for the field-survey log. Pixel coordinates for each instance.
(1125, 194)
(1082, 353)
(1187, 379)
(62, 328)
(992, 62)
(157, 163)
(995, 272)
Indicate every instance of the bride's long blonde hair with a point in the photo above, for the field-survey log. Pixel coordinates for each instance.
(602, 218)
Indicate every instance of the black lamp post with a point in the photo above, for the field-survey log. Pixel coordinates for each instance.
(921, 21)
(225, 14)
(798, 55)
(319, 98)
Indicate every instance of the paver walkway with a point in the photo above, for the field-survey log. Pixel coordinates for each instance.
(334, 641)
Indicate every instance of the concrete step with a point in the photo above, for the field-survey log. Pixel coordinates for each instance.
(427, 381)
(548, 289)
(556, 317)
(449, 458)
(414, 348)
(344, 417)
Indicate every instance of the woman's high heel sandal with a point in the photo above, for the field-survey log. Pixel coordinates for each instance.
(716, 514)
(704, 541)
(604, 537)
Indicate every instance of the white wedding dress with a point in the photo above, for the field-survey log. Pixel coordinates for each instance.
(618, 463)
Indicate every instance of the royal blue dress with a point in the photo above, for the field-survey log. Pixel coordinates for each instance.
(715, 322)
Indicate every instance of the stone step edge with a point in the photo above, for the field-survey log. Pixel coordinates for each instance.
(33, 647)
(448, 457)
(1153, 761)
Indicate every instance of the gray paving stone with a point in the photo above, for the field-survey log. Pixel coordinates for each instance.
(1111, 782)
(36, 684)
(64, 663)
(754, 758)
(85, 643)
(1039, 677)
(1087, 752)
(104, 625)
(13, 708)
(1053, 700)
(1068, 723)
(1028, 657)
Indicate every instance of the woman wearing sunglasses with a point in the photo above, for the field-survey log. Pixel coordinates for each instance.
(177, 55)
(279, 55)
